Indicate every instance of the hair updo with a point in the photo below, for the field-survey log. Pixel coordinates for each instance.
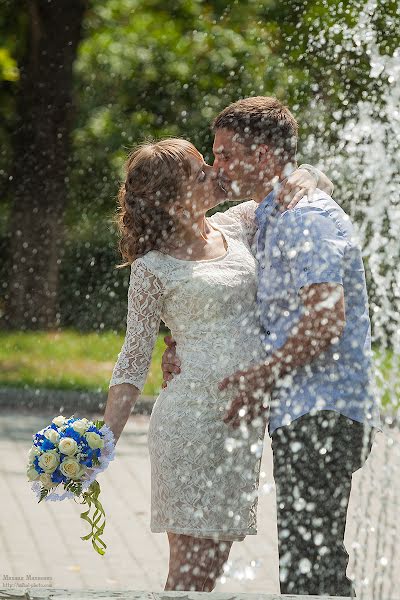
(147, 218)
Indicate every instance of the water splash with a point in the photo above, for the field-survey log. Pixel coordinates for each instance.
(365, 166)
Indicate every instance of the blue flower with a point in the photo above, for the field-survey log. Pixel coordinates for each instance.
(58, 477)
(93, 428)
(36, 465)
(70, 432)
(47, 445)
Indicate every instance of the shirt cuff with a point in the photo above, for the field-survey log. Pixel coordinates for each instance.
(309, 278)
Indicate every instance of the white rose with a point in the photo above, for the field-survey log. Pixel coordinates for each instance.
(32, 474)
(80, 426)
(46, 481)
(49, 461)
(60, 420)
(94, 440)
(68, 446)
(71, 468)
(33, 452)
(52, 435)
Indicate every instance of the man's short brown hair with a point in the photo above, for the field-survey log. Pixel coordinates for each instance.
(261, 120)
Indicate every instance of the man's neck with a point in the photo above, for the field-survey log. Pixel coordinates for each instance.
(266, 186)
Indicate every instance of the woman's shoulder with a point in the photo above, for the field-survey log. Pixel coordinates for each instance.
(148, 262)
(237, 220)
(240, 212)
(158, 263)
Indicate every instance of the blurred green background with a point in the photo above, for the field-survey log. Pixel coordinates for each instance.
(81, 82)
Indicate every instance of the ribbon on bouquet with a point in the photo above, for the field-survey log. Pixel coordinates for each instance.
(92, 497)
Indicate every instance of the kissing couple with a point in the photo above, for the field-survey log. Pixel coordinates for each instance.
(268, 310)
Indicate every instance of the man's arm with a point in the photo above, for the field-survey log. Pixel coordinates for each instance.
(312, 249)
(321, 325)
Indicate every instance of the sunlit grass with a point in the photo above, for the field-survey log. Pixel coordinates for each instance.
(387, 370)
(84, 361)
(67, 360)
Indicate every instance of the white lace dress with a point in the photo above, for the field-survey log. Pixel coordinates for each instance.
(204, 474)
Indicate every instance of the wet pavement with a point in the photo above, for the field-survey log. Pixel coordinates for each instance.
(41, 545)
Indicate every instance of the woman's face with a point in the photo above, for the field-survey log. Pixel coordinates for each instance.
(201, 190)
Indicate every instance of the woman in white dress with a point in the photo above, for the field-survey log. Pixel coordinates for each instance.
(198, 275)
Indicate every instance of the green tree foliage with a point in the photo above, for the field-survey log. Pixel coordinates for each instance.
(13, 30)
(147, 68)
(154, 69)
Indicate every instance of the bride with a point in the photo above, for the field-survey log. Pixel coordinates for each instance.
(198, 275)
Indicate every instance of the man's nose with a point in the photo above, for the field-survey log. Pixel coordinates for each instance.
(218, 171)
(216, 165)
(215, 172)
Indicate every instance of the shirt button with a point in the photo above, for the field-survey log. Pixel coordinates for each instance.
(268, 333)
(305, 269)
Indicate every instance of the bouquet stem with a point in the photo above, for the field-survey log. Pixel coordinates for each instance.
(92, 497)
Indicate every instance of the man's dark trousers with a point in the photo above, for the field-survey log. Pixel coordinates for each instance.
(314, 458)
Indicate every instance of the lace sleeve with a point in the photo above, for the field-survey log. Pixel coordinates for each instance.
(145, 295)
(242, 215)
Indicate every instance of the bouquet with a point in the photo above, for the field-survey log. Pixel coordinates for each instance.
(70, 453)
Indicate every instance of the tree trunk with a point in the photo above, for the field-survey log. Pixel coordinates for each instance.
(41, 145)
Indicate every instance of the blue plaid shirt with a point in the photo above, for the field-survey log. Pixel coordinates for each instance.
(314, 243)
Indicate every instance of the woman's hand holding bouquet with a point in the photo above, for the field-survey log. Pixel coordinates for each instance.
(70, 453)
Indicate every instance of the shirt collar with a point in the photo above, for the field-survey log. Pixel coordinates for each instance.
(267, 207)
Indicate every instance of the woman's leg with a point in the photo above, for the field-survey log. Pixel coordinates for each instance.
(223, 551)
(195, 563)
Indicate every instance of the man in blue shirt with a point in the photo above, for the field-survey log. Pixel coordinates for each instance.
(313, 308)
(311, 245)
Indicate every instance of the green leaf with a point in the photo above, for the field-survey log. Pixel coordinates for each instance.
(43, 494)
(91, 497)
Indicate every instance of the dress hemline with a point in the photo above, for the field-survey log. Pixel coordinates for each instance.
(207, 534)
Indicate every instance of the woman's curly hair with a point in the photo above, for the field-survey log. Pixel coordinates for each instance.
(146, 217)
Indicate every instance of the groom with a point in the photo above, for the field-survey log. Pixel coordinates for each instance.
(313, 308)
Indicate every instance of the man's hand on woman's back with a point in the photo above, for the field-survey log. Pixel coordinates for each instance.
(170, 363)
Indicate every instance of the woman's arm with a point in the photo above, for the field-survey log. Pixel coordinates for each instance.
(120, 402)
(145, 295)
(302, 182)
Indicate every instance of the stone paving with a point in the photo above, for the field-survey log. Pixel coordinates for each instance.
(52, 594)
(40, 544)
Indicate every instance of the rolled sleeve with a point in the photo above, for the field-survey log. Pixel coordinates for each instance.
(313, 246)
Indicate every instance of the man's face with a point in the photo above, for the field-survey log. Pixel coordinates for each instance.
(237, 165)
